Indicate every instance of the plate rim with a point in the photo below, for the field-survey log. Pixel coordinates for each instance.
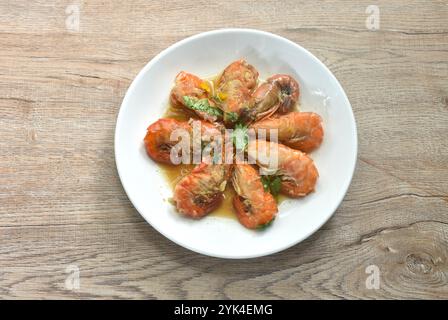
(179, 43)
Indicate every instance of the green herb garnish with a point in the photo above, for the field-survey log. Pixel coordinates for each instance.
(202, 105)
(240, 137)
(266, 225)
(271, 184)
(266, 183)
(217, 98)
(231, 117)
(276, 184)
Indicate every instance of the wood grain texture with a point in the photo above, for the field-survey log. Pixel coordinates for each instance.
(62, 204)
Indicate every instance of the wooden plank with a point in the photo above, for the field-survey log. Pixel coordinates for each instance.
(62, 203)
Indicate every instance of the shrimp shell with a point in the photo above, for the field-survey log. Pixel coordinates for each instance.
(298, 130)
(187, 84)
(158, 141)
(201, 191)
(235, 85)
(296, 169)
(254, 206)
(289, 91)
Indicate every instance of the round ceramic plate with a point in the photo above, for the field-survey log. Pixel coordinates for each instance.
(205, 55)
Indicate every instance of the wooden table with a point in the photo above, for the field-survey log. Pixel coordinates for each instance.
(62, 206)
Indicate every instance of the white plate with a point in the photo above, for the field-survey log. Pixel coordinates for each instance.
(205, 55)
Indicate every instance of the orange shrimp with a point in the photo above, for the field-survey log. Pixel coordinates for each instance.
(298, 130)
(201, 191)
(289, 91)
(254, 206)
(189, 85)
(264, 102)
(279, 93)
(297, 170)
(235, 87)
(158, 141)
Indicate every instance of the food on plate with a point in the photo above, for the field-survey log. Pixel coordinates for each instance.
(289, 91)
(192, 93)
(296, 169)
(279, 93)
(255, 207)
(159, 136)
(201, 191)
(235, 87)
(244, 130)
(299, 130)
(157, 140)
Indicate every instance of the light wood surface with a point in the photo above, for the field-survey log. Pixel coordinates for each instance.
(62, 204)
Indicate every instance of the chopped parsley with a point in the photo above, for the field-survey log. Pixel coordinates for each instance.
(202, 105)
(240, 137)
(271, 184)
(266, 225)
(231, 117)
(217, 98)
